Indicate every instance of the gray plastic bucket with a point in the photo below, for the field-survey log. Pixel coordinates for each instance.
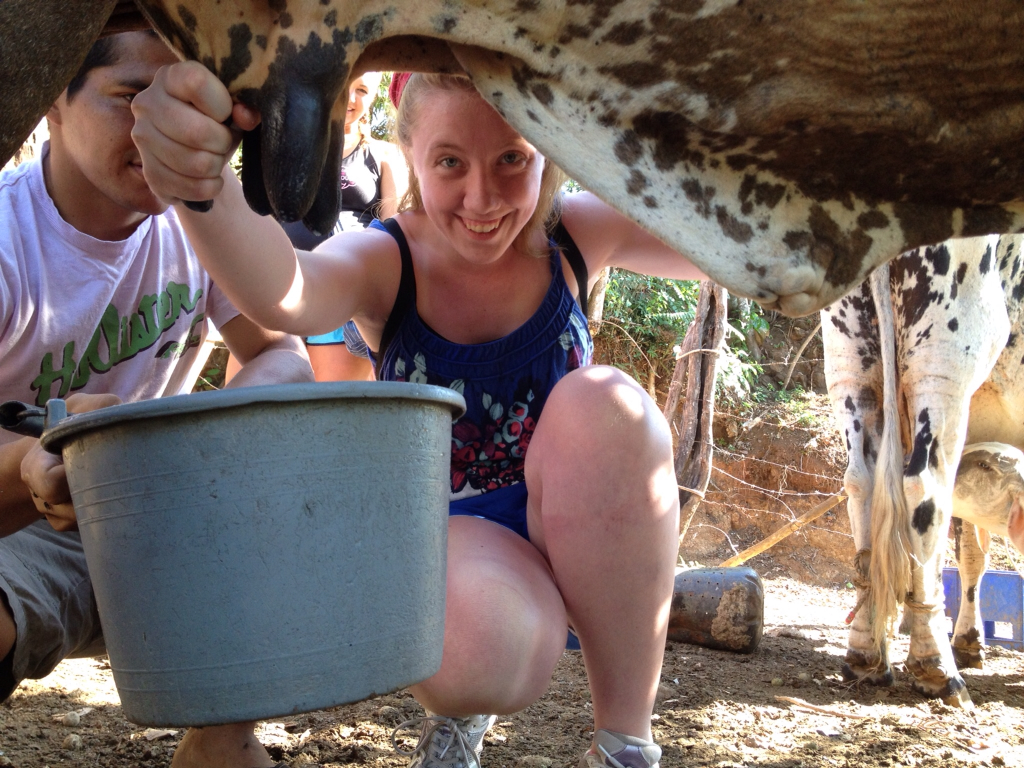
(264, 551)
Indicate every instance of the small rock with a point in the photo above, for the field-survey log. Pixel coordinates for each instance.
(753, 741)
(777, 682)
(664, 692)
(72, 741)
(794, 633)
(533, 761)
(389, 715)
(152, 734)
(71, 718)
(805, 676)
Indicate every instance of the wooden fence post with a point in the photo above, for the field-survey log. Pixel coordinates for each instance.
(693, 383)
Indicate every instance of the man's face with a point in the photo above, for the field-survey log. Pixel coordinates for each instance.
(96, 125)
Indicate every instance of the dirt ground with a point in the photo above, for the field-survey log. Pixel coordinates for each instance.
(784, 706)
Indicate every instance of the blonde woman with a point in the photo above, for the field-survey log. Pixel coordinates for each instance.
(564, 506)
(373, 179)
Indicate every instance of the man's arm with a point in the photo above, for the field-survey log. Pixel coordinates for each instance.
(267, 357)
(16, 507)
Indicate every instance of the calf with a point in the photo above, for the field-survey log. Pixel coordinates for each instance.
(920, 359)
(988, 494)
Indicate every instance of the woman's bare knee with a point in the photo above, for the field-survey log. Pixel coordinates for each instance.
(597, 415)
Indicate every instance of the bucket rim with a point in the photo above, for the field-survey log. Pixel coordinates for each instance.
(55, 438)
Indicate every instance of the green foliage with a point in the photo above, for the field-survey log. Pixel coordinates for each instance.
(382, 111)
(641, 301)
(236, 162)
(750, 317)
(650, 313)
(738, 372)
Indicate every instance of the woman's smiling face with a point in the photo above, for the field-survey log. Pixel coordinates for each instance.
(479, 179)
(361, 93)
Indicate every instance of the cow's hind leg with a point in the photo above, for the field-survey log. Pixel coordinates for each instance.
(972, 559)
(928, 483)
(864, 663)
(949, 341)
(853, 373)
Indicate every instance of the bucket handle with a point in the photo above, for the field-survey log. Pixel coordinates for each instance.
(31, 420)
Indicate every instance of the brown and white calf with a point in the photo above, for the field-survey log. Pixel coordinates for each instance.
(921, 359)
(988, 497)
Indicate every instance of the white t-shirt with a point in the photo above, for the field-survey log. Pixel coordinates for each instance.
(79, 314)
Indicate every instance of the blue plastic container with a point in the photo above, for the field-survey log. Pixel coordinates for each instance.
(1002, 600)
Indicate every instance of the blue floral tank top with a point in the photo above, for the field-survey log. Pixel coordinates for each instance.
(505, 382)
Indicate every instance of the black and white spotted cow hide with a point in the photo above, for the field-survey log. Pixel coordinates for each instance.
(785, 146)
(920, 359)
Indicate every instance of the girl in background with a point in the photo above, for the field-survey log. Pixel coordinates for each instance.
(373, 180)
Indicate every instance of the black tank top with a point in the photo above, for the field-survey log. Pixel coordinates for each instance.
(360, 188)
(360, 198)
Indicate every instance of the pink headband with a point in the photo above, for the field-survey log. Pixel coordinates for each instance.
(398, 83)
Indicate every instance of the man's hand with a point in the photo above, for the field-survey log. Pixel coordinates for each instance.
(44, 474)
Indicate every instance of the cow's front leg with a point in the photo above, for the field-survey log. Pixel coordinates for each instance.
(972, 560)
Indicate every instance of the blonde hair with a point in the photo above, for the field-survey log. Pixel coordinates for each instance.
(549, 201)
(363, 127)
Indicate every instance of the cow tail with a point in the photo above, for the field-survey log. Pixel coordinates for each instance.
(890, 519)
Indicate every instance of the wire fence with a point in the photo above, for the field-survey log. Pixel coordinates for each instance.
(774, 497)
(1001, 551)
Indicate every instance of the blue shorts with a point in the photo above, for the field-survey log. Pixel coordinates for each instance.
(348, 336)
(505, 506)
(326, 339)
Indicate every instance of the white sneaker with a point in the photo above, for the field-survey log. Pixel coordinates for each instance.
(446, 742)
(616, 750)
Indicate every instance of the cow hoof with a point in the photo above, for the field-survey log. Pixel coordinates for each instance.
(932, 679)
(969, 658)
(961, 700)
(968, 652)
(861, 668)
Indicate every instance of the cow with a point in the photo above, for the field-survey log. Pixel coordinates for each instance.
(922, 358)
(785, 146)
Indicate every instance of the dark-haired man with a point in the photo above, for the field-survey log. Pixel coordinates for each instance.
(101, 300)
